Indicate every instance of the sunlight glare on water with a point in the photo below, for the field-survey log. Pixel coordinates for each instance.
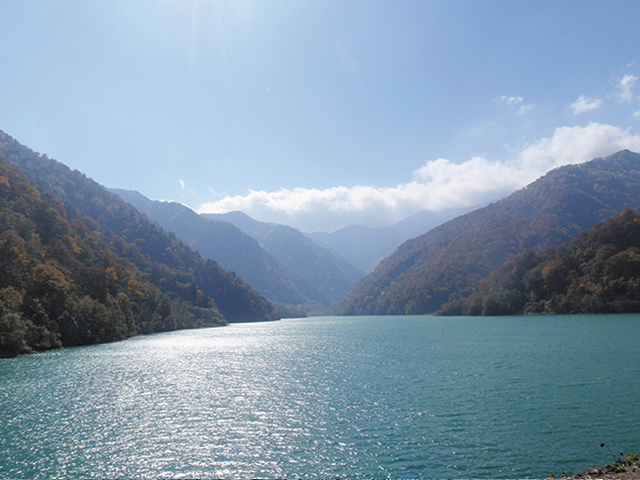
(329, 397)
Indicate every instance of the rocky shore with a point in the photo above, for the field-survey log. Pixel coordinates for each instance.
(631, 472)
(628, 467)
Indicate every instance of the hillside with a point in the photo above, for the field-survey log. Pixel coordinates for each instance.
(233, 250)
(331, 276)
(166, 261)
(597, 272)
(444, 264)
(61, 284)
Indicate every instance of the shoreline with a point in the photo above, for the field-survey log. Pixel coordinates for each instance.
(627, 468)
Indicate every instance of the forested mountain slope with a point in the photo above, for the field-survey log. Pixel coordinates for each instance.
(166, 261)
(233, 250)
(444, 264)
(62, 283)
(330, 275)
(597, 272)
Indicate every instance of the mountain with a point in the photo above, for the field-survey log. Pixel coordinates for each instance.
(166, 262)
(331, 276)
(62, 283)
(366, 247)
(443, 265)
(233, 250)
(597, 272)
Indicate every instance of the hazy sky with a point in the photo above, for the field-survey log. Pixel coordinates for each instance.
(320, 113)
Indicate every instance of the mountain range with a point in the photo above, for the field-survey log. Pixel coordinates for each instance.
(80, 265)
(366, 247)
(278, 261)
(72, 248)
(299, 273)
(444, 264)
(329, 274)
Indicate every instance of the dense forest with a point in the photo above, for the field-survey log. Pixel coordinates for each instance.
(80, 266)
(598, 272)
(444, 264)
(62, 285)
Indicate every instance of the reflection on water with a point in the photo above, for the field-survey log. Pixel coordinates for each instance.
(329, 397)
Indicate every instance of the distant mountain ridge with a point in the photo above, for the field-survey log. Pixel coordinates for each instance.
(233, 249)
(366, 247)
(331, 276)
(444, 264)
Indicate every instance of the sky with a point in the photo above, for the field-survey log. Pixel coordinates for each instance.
(320, 114)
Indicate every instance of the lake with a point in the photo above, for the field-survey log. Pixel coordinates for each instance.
(401, 397)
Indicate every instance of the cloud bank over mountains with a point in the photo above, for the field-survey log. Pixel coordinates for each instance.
(437, 184)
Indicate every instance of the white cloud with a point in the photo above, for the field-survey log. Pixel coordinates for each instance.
(625, 85)
(514, 101)
(510, 100)
(437, 184)
(182, 184)
(585, 104)
(571, 145)
(329, 209)
(524, 109)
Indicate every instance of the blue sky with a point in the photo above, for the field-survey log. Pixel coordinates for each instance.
(320, 114)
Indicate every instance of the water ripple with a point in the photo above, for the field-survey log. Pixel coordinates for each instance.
(400, 397)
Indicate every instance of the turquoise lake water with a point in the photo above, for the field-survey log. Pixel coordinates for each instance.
(401, 397)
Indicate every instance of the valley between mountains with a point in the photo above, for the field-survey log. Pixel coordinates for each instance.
(82, 264)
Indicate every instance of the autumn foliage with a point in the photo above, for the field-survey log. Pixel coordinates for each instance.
(598, 272)
(79, 266)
